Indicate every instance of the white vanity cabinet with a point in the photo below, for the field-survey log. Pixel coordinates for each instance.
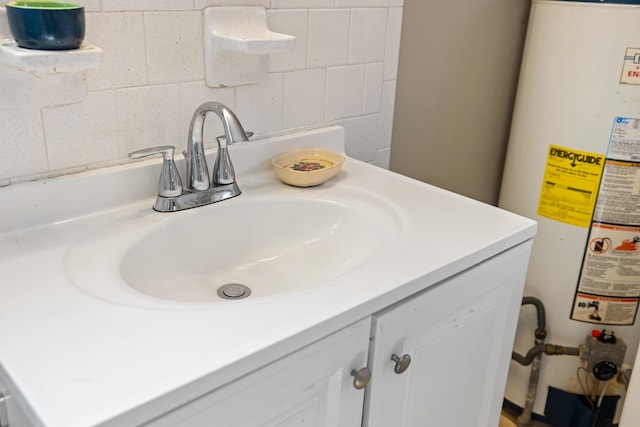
(458, 335)
(312, 387)
(384, 266)
(452, 344)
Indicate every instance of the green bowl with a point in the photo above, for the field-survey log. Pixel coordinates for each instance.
(46, 25)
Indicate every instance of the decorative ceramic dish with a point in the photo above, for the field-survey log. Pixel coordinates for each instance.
(46, 25)
(308, 167)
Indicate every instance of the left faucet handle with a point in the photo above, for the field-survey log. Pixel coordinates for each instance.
(170, 184)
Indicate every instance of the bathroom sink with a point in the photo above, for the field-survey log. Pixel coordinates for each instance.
(248, 248)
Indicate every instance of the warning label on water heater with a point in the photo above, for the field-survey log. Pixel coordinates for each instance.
(631, 67)
(570, 185)
(608, 290)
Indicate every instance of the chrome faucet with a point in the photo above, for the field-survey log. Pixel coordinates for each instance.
(200, 189)
(197, 170)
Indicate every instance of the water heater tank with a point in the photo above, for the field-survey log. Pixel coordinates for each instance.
(573, 164)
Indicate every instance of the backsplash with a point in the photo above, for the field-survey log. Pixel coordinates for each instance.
(342, 71)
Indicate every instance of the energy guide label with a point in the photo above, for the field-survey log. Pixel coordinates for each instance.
(570, 185)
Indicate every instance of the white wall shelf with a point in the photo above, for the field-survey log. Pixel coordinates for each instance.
(49, 61)
(238, 42)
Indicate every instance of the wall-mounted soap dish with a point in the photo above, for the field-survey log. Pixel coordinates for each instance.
(237, 45)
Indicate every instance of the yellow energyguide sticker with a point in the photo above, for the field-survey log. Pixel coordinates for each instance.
(570, 185)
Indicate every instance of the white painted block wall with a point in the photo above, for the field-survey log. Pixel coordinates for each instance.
(342, 71)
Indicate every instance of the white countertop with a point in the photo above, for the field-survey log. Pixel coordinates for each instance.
(79, 360)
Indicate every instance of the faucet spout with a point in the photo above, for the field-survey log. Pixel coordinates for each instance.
(197, 169)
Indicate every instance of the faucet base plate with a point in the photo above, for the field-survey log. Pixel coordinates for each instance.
(196, 199)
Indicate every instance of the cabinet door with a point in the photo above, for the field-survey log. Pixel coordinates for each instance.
(312, 387)
(459, 335)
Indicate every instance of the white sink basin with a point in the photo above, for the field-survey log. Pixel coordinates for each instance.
(271, 244)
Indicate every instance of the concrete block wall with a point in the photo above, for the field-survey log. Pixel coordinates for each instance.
(342, 70)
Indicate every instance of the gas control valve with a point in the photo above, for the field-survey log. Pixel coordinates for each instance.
(603, 354)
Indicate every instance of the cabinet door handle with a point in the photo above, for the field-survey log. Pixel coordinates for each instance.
(402, 363)
(4, 412)
(361, 377)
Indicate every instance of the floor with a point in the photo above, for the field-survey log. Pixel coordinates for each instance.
(508, 419)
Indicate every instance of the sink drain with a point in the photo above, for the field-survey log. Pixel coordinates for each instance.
(233, 291)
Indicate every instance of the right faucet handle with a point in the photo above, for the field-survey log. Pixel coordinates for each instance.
(170, 184)
(223, 172)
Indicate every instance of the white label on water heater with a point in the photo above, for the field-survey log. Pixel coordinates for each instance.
(608, 290)
(624, 143)
(631, 67)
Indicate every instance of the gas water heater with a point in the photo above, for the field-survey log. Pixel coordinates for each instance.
(573, 164)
